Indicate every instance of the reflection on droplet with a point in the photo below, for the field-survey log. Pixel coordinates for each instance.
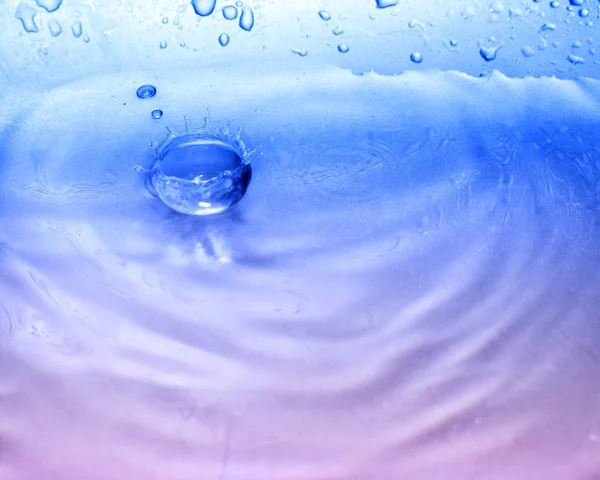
(201, 173)
(54, 27)
(204, 7)
(26, 14)
(386, 3)
(246, 18)
(224, 39)
(416, 57)
(49, 5)
(300, 51)
(325, 15)
(77, 29)
(146, 91)
(230, 12)
(156, 114)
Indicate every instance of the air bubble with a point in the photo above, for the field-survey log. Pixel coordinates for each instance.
(146, 91)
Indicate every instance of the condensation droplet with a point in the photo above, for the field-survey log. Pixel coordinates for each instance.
(224, 39)
(325, 15)
(204, 7)
(230, 12)
(165, 20)
(247, 18)
(49, 5)
(156, 114)
(386, 3)
(54, 27)
(163, 45)
(343, 48)
(416, 57)
(146, 91)
(26, 14)
(77, 29)
(302, 52)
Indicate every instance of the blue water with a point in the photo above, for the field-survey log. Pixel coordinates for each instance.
(376, 265)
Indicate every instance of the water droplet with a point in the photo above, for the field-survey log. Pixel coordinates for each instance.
(489, 53)
(156, 114)
(576, 44)
(246, 18)
(86, 39)
(201, 172)
(416, 57)
(577, 3)
(204, 7)
(163, 45)
(146, 91)
(239, 4)
(182, 44)
(343, 48)
(527, 51)
(54, 27)
(496, 7)
(300, 51)
(386, 3)
(49, 5)
(230, 12)
(325, 15)
(454, 43)
(555, 4)
(338, 30)
(547, 27)
(584, 12)
(224, 39)
(575, 60)
(77, 29)
(165, 20)
(26, 14)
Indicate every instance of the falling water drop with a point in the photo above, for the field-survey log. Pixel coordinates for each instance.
(156, 114)
(386, 3)
(146, 91)
(77, 29)
(54, 27)
(246, 18)
(26, 14)
(224, 39)
(49, 5)
(416, 57)
(204, 7)
(343, 48)
(325, 15)
(230, 12)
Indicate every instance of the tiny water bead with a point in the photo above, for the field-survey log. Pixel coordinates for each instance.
(224, 39)
(246, 18)
(146, 91)
(202, 172)
(165, 20)
(343, 48)
(156, 114)
(77, 29)
(230, 12)
(204, 8)
(325, 15)
(416, 57)
(163, 45)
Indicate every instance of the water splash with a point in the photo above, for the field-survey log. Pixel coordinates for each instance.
(204, 7)
(230, 12)
(201, 172)
(247, 18)
(49, 5)
(27, 16)
(146, 91)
